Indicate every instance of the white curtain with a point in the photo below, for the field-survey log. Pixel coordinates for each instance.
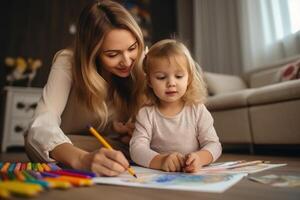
(233, 36)
(266, 31)
(216, 36)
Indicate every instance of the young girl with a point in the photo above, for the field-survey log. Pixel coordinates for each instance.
(95, 83)
(176, 132)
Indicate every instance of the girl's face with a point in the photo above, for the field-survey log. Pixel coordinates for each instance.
(119, 51)
(168, 79)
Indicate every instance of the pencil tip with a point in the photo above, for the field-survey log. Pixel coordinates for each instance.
(135, 175)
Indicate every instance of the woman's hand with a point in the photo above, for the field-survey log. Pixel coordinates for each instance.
(106, 162)
(125, 129)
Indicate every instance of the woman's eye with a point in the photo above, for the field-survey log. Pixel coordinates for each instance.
(132, 48)
(112, 55)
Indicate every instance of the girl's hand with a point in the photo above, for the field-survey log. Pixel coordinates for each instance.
(173, 162)
(192, 163)
(106, 162)
(125, 129)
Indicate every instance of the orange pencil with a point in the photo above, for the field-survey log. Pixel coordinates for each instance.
(5, 167)
(105, 144)
(75, 181)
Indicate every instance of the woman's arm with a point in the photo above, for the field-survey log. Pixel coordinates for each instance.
(45, 133)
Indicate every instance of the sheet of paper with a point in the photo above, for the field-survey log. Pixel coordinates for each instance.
(247, 169)
(148, 178)
(278, 180)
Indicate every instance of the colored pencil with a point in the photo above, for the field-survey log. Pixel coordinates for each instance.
(17, 167)
(4, 193)
(90, 174)
(66, 173)
(5, 167)
(105, 144)
(29, 166)
(46, 167)
(20, 188)
(245, 164)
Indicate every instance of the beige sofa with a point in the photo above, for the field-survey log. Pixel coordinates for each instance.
(257, 108)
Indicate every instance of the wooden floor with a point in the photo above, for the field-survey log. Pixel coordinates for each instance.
(245, 189)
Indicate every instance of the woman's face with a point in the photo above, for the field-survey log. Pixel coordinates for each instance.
(119, 51)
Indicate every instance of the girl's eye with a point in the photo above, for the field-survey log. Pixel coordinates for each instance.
(160, 77)
(179, 76)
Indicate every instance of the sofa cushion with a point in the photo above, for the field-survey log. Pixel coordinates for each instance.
(222, 83)
(275, 93)
(289, 72)
(229, 100)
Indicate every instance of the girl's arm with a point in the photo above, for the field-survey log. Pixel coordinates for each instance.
(140, 150)
(210, 146)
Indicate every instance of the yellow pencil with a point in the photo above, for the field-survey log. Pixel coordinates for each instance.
(105, 144)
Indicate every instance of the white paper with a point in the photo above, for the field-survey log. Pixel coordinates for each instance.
(148, 178)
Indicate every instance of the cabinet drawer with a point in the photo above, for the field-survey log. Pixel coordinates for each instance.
(17, 129)
(24, 104)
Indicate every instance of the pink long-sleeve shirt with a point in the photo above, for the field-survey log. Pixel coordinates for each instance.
(188, 131)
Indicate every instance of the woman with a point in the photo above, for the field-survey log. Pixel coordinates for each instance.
(96, 83)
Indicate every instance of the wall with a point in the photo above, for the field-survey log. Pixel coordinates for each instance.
(39, 28)
(34, 28)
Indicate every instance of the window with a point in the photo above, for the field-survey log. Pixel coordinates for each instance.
(294, 11)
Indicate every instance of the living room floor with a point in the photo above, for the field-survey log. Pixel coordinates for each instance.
(245, 189)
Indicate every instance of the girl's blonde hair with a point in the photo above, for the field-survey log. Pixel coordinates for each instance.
(95, 21)
(171, 50)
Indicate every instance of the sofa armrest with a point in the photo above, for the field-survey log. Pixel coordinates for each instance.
(223, 83)
(284, 91)
(267, 74)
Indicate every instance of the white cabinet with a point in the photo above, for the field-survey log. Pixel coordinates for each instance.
(20, 103)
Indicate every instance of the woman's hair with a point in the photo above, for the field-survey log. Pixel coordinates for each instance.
(95, 21)
(172, 50)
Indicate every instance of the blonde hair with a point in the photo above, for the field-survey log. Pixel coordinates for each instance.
(171, 49)
(95, 21)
